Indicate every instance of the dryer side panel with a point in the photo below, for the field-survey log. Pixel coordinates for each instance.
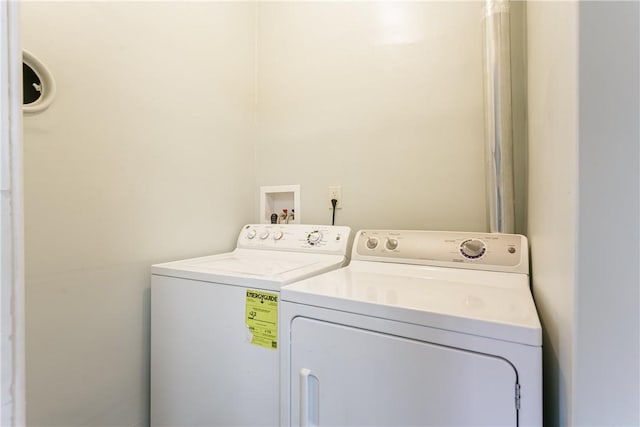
(342, 375)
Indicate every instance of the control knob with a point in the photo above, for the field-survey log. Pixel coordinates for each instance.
(372, 243)
(473, 248)
(277, 235)
(314, 237)
(251, 234)
(391, 244)
(264, 234)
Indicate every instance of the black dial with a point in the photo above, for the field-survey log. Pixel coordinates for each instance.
(314, 238)
(473, 248)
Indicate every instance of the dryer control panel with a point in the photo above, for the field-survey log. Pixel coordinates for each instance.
(295, 237)
(480, 251)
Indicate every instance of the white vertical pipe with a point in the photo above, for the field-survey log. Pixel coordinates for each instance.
(497, 114)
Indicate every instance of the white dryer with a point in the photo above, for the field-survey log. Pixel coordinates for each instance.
(421, 329)
(214, 325)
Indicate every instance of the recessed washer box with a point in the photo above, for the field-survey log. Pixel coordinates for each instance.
(275, 198)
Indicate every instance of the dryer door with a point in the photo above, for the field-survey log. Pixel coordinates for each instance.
(346, 376)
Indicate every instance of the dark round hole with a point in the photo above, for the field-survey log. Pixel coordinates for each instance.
(31, 85)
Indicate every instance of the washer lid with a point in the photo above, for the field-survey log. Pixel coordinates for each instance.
(483, 303)
(251, 268)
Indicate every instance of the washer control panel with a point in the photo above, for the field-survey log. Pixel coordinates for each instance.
(482, 251)
(295, 237)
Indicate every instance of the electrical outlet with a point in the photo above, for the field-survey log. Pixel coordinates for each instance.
(335, 192)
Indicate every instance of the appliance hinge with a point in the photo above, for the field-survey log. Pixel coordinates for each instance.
(517, 397)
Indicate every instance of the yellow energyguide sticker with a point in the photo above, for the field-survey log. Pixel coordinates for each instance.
(261, 317)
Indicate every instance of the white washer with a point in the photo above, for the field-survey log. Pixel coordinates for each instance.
(207, 367)
(422, 328)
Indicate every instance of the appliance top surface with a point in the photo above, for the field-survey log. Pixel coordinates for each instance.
(267, 257)
(250, 267)
(488, 303)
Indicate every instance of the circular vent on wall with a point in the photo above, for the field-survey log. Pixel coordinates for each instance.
(38, 86)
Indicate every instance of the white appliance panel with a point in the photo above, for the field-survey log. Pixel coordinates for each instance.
(341, 375)
(251, 267)
(204, 369)
(460, 250)
(495, 305)
(328, 239)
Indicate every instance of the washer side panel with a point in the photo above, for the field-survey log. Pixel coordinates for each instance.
(204, 368)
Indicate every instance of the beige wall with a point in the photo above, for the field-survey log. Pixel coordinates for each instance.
(607, 344)
(384, 99)
(584, 207)
(145, 155)
(553, 132)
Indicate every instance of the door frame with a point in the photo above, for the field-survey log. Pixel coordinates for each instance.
(12, 322)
